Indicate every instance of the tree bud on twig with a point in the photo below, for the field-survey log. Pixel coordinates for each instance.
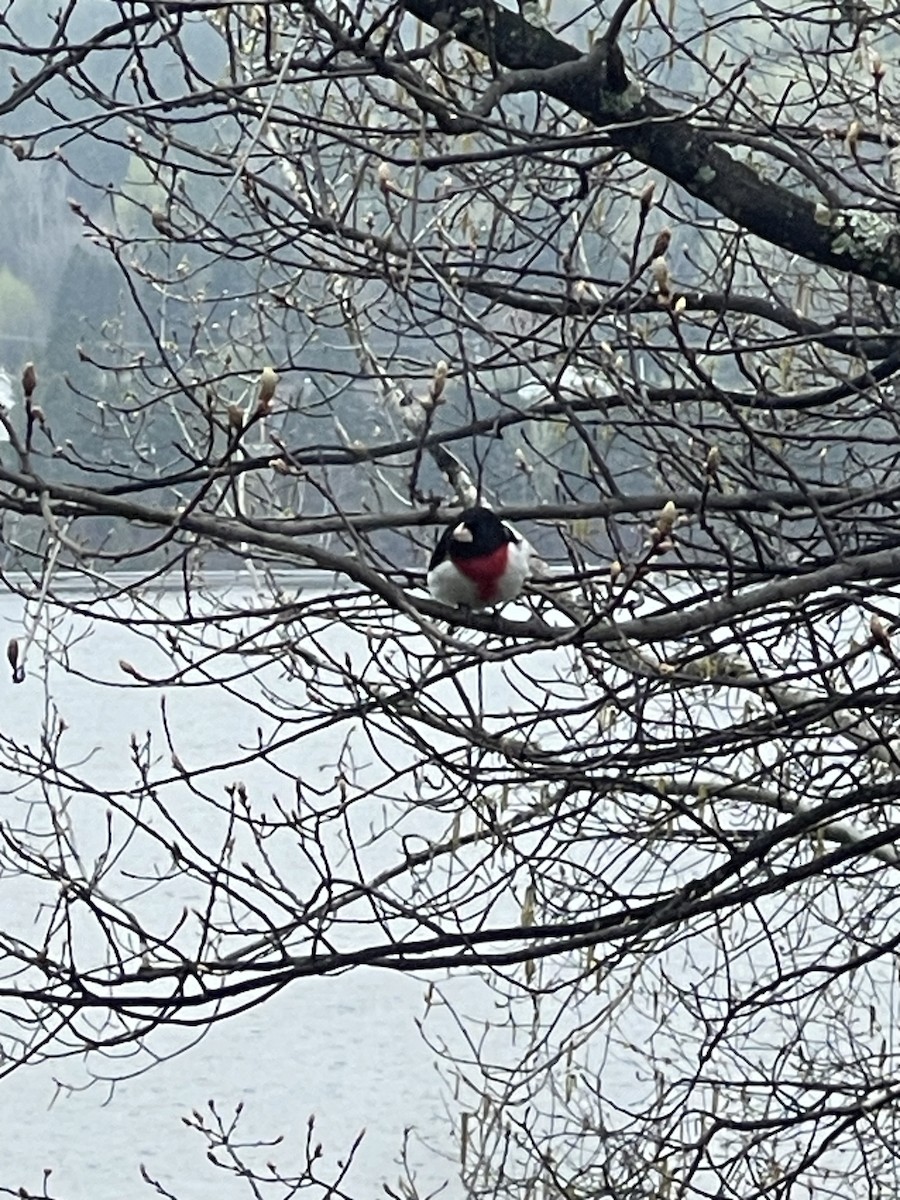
(161, 224)
(29, 380)
(522, 462)
(12, 655)
(388, 184)
(235, 417)
(666, 519)
(268, 382)
(879, 634)
(647, 197)
(438, 382)
(851, 141)
(662, 243)
(660, 269)
(713, 459)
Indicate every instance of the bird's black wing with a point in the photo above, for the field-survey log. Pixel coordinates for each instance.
(441, 551)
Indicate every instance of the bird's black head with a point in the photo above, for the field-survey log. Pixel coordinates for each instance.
(478, 532)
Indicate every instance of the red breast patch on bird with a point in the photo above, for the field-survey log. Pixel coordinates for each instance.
(485, 571)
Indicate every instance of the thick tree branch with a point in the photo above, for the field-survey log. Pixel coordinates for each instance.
(858, 241)
(74, 501)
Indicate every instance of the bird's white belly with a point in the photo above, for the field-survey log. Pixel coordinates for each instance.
(452, 587)
(449, 585)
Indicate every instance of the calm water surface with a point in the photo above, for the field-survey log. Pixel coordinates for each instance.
(345, 1050)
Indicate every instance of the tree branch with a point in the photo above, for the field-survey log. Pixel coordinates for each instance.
(859, 241)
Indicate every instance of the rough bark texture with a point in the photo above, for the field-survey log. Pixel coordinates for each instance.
(861, 242)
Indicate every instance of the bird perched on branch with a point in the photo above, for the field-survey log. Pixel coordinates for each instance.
(478, 561)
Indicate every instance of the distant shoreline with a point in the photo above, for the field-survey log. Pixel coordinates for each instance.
(77, 581)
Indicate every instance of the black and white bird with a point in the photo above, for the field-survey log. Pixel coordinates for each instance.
(478, 561)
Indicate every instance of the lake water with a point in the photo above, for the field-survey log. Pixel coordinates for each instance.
(345, 1050)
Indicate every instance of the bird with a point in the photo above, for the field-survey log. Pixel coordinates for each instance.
(479, 561)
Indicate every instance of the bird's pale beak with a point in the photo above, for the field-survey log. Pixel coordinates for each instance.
(462, 533)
